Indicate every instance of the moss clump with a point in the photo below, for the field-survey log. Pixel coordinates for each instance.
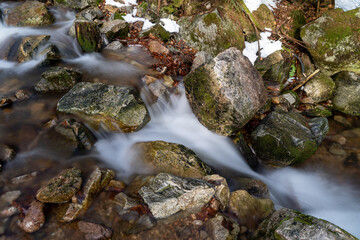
(212, 18)
(298, 21)
(88, 36)
(158, 31)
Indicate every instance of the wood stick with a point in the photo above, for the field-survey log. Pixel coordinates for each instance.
(306, 80)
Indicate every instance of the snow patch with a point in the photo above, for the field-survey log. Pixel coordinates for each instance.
(267, 47)
(118, 4)
(254, 4)
(347, 5)
(170, 25)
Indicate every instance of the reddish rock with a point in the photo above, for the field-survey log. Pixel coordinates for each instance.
(34, 218)
(156, 47)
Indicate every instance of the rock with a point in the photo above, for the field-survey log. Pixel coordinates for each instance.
(115, 28)
(116, 107)
(225, 93)
(30, 14)
(346, 97)
(157, 88)
(167, 194)
(254, 187)
(52, 55)
(158, 31)
(58, 79)
(114, 46)
(211, 34)
(249, 210)
(298, 20)
(156, 47)
(34, 218)
(172, 158)
(291, 97)
(289, 224)
(91, 13)
(217, 230)
(97, 180)
(29, 46)
(6, 208)
(62, 187)
(201, 58)
(222, 191)
(320, 88)
(6, 154)
(319, 127)
(88, 36)
(247, 153)
(316, 110)
(284, 139)
(94, 231)
(333, 40)
(76, 4)
(124, 205)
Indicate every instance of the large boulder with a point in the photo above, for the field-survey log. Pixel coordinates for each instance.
(211, 34)
(347, 94)
(57, 79)
(167, 194)
(116, 107)
(76, 4)
(284, 139)
(172, 158)
(88, 36)
(30, 14)
(225, 93)
(334, 40)
(288, 224)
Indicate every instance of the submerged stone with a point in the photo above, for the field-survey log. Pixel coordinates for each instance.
(57, 79)
(172, 158)
(225, 93)
(346, 97)
(333, 40)
(62, 187)
(116, 107)
(34, 218)
(211, 34)
(221, 227)
(284, 139)
(289, 224)
(222, 191)
(30, 14)
(167, 194)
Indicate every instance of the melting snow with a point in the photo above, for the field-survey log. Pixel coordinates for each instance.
(254, 4)
(347, 4)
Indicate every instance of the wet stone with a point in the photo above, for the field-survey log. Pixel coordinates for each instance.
(62, 187)
(88, 36)
(94, 231)
(29, 46)
(222, 191)
(116, 107)
(114, 46)
(115, 28)
(34, 218)
(58, 79)
(167, 194)
(6, 154)
(218, 231)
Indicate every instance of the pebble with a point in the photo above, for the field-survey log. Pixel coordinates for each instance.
(34, 218)
(94, 231)
(156, 47)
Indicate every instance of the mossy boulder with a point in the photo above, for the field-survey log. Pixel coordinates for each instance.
(298, 20)
(320, 88)
(211, 33)
(76, 4)
(30, 14)
(115, 28)
(225, 93)
(88, 36)
(316, 110)
(288, 224)
(57, 79)
(346, 97)
(158, 31)
(249, 210)
(284, 138)
(115, 107)
(172, 158)
(333, 40)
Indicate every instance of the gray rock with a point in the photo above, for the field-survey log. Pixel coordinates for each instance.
(167, 194)
(92, 13)
(94, 231)
(218, 231)
(158, 31)
(210, 33)
(58, 79)
(289, 224)
(320, 88)
(172, 158)
(333, 40)
(284, 139)
(225, 93)
(76, 4)
(30, 14)
(124, 204)
(114, 46)
(115, 28)
(222, 191)
(51, 53)
(117, 107)
(346, 97)
(201, 58)
(249, 210)
(319, 127)
(88, 36)
(62, 187)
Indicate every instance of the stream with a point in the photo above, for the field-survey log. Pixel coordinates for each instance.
(314, 190)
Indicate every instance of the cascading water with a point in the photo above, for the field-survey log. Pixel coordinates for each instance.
(173, 121)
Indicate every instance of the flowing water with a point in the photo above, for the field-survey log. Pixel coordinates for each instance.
(315, 191)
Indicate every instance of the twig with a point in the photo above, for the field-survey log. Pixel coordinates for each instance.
(306, 80)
